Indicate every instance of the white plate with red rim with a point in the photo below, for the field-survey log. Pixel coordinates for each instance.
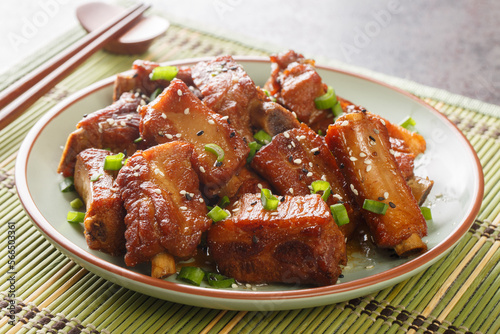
(449, 160)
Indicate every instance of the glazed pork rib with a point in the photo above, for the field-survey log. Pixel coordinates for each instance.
(165, 210)
(104, 226)
(178, 115)
(360, 143)
(293, 160)
(297, 243)
(114, 127)
(228, 90)
(138, 79)
(295, 84)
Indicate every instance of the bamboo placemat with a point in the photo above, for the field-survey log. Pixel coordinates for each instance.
(459, 294)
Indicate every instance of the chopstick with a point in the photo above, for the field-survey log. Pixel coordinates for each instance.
(15, 99)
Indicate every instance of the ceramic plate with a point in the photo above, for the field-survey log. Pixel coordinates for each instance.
(450, 161)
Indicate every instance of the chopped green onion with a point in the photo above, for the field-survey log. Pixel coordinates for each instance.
(155, 94)
(67, 185)
(94, 178)
(217, 214)
(219, 281)
(138, 140)
(269, 202)
(215, 149)
(327, 100)
(75, 217)
(320, 133)
(324, 186)
(408, 123)
(254, 147)
(339, 214)
(114, 162)
(375, 206)
(262, 137)
(223, 202)
(164, 73)
(76, 203)
(426, 212)
(337, 110)
(192, 275)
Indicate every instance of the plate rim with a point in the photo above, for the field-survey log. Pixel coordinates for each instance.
(380, 279)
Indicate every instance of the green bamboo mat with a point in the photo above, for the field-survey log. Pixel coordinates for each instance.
(459, 294)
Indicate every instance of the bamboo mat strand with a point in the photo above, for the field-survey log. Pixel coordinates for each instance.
(458, 294)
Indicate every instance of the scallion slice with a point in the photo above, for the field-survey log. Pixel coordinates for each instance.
(375, 206)
(262, 137)
(75, 217)
(114, 162)
(164, 73)
(408, 123)
(67, 185)
(217, 214)
(138, 140)
(327, 100)
(269, 202)
(155, 94)
(215, 149)
(339, 214)
(95, 177)
(192, 275)
(337, 110)
(324, 186)
(219, 281)
(426, 212)
(223, 202)
(254, 147)
(76, 203)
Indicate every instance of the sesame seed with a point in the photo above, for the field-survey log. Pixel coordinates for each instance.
(376, 131)
(186, 111)
(297, 161)
(163, 115)
(316, 149)
(371, 138)
(323, 177)
(294, 114)
(353, 158)
(309, 174)
(293, 144)
(110, 121)
(178, 135)
(368, 168)
(355, 192)
(179, 92)
(199, 133)
(311, 164)
(290, 190)
(274, 213)
(136, 167)
(182, 192)
(382, 121)
(211, 121)
(259, 186)
(367, 161)
(169, 136)
(236, 210)
(234, 286)
(224, 117)
(248, 285)
(136, 174)
(254, 288)
(392, 205)
(386, 195)
(202, 169)
(345, 123)
(201, 200)
(362, 154)
(122, 123)
(369, 267)
(183, 208)
(286, 134)
(301, 137)
(158, 191)
(142, 103)
(289, 147)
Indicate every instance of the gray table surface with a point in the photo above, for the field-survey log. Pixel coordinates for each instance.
(453, 45)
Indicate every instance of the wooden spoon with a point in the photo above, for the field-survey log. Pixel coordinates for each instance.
(135, 41)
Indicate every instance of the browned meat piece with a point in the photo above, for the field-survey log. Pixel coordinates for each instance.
(295, 83)
(165, 209)
(243, 182)
(295, 159)
(420, 188)
(114, 127)
(360, 143)
(138, 80)
(297, 243)
(229, 91)
(177, 115)
(104, 226)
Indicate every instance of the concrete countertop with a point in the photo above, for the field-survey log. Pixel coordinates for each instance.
(453, 45)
